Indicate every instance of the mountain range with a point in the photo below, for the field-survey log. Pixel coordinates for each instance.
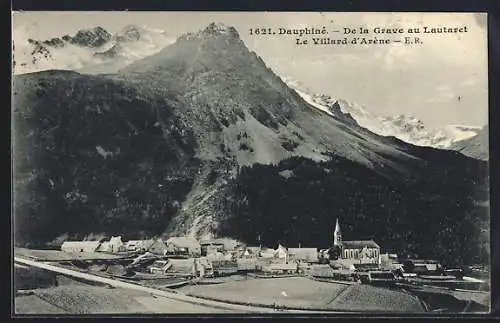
(407, 128)
(97, 51)
(93, 50)
(202, 138)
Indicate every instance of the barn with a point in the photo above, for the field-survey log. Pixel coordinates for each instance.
(80, 246)
(115, 244)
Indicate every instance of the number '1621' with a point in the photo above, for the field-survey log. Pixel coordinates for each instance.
(261, 31)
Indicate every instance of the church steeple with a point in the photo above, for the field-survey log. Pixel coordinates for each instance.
(337, 235)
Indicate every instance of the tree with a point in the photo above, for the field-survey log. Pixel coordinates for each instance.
(334, 252)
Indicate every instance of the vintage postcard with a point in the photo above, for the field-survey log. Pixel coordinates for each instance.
(250, 163)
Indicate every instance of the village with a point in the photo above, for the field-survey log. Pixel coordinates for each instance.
(187, 257)
(358, 260)
(229, 271)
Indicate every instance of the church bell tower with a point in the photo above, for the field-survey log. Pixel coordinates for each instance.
(337, 235)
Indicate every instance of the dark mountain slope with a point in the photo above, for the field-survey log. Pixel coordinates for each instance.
(443, 213)
(94, 155)
(475, 147)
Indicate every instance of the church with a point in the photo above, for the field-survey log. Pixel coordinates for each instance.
(356, 251)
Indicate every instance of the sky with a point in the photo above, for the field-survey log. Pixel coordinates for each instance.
(442, 81)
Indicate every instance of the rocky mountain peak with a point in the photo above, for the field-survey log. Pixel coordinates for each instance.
(129, 33)
(213, 30)
(94, 37)
(409, 122)
(220, 28)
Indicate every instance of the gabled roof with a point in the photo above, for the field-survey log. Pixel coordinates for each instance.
(309, 253)
(117, 239)
(81, 244)
(359, 244)
(280, 251)
(184, 242)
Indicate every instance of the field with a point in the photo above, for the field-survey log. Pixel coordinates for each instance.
(81, 299)
(375, 299)
(58, 255)
(32, 304)
(303, 293)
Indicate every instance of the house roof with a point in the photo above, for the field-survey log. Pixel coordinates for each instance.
(81, 244)
(104, 246)
(280, 251)
(267, 252)
(359, 244)
(116, 239)
(303, 252)
(143, 244)
(184, 242)
(228, 243)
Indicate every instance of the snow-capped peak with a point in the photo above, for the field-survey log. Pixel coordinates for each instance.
(404, 127)
(91, 50)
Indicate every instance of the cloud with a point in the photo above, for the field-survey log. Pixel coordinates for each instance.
(396, 56)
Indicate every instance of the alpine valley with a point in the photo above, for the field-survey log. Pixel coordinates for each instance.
(202, 138)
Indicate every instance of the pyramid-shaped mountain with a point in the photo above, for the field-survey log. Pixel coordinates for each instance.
(227, 90)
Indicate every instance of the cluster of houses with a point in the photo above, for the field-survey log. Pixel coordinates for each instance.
(186, 255)
(175, 245)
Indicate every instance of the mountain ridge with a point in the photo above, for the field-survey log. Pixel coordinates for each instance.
(88, 50)
(407, 128)
(476, 147)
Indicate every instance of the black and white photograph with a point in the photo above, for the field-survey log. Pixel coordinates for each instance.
(208, 163)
